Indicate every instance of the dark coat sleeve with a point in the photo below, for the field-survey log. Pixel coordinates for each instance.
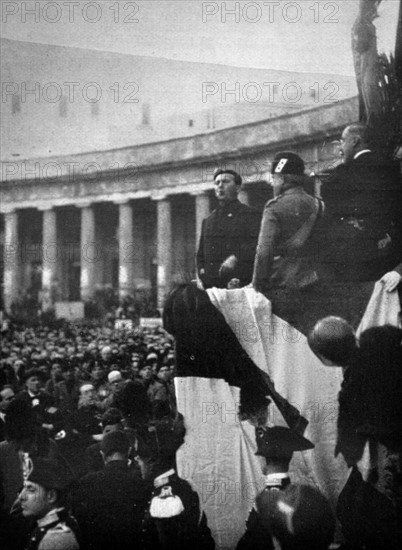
(269, 231)
(368, 518)
(256, 537)
(364, 202)
(247, 246)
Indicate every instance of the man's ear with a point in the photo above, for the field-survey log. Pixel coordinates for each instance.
(51, 496)
(356, 140)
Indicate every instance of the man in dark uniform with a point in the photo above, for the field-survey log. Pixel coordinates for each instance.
(42, 499)
(228, 237)
(110, 504)
(174, 513)
(112, 420)
(276, 445)
(298, 517)
(288, 242)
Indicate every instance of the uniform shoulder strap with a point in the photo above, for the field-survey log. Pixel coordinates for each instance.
(298, 240)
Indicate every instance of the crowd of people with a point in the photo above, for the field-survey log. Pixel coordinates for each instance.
(63, 390)
(61, 372)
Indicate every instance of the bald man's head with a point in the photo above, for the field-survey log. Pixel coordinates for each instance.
(355, 138)
(333, 341)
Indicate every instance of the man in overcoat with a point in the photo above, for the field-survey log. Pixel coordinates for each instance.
(228, 236)
(286, 262)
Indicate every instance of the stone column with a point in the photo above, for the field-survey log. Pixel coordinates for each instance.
(202, 210)
(90, 252)
(316, 170)
(164, 249)
(128, 252)
(243, 195)
(11, 259)
(50, 257)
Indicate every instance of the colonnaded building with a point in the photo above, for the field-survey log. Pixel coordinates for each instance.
(100, 194)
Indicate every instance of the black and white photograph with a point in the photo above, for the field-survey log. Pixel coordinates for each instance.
(201, 275)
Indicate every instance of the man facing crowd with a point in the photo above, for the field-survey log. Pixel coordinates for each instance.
(284, 266)
(363, 197)
(229, 236)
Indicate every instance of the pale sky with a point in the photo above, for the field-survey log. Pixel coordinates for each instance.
(297, 36)
(306, 35)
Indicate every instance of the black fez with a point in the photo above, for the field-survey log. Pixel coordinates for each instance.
(278, 442)
(287, 163)
(237, 177)
(50, 473)
(115, 442)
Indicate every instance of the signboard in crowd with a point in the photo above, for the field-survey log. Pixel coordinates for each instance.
(123, 324)
(150, 322)
(70, 311)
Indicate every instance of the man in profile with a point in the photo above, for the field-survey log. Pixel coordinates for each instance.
(229, 236)
(43, 498)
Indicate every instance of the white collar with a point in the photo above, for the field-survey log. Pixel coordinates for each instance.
(50, 517)
(275, 479)
(163, 478)
(357, 155)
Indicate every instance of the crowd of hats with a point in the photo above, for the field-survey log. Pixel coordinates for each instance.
(78, 348)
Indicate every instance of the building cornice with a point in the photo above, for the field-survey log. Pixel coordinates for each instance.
(213, 145)
(176, 166)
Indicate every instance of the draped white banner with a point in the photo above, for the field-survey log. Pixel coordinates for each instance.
(218, 455)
